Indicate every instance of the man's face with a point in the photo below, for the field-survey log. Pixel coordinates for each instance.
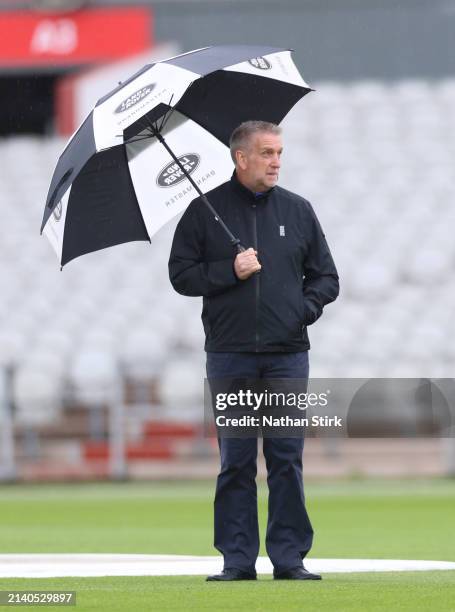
(258, 164)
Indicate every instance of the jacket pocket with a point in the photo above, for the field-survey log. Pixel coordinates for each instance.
(308, 317)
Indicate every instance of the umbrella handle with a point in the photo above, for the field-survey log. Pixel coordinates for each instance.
(242, 249)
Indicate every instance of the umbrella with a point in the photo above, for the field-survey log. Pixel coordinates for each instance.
(158, 140)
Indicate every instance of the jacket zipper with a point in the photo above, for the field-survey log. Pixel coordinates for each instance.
(257, 275)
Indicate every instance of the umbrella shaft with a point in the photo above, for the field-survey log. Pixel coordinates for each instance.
(234, 241)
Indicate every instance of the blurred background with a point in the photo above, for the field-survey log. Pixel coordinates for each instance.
(101, 364)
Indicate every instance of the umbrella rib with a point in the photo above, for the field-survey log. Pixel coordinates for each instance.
(167, 115)
(152, 127)
(145, 127)
(139, 139)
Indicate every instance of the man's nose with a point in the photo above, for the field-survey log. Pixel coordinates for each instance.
(276, 161)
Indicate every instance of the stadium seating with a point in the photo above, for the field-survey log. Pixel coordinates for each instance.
(375, 160)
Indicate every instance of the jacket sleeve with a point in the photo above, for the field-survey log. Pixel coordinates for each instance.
(320, 285)
(189, 272)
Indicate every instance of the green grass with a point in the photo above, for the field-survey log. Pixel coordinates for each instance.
(376, 519)
(337, 592)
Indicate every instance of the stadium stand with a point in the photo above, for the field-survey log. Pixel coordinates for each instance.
(374, 158)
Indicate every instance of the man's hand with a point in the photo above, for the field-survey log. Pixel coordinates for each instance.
(246, 264)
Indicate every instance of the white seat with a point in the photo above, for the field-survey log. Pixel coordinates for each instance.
(13, 347)
(182, 387)
(37, 395)
(94, 375)
(370, 282)
(142, 355)
(428, 266)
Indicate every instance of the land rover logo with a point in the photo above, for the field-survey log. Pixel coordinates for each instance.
(260, 62)
(136, 97)
(172, 174)
(57, 212)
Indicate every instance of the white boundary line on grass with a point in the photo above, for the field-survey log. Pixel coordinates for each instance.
(86, 565)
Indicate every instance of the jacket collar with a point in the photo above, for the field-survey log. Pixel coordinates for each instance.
(246, 193)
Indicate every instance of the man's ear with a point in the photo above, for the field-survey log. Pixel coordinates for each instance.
(240, 159)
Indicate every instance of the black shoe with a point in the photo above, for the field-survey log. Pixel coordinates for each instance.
(231, 574)
(297, 573)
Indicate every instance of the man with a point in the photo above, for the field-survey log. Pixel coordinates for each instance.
(257, 305)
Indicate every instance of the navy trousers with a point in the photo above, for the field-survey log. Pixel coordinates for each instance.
(289, 533)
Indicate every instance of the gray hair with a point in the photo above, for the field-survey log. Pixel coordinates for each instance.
(242, 134)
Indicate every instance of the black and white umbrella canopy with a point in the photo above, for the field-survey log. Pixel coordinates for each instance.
(115, 182)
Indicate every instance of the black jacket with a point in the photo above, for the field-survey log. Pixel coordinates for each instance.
(268, 312)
